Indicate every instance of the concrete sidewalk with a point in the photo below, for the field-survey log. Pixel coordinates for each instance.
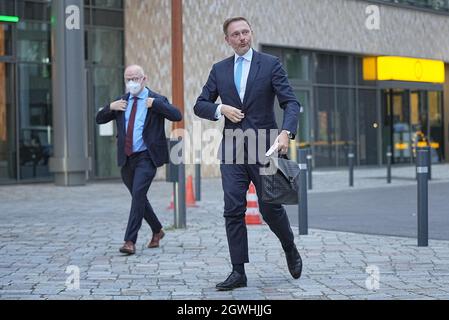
(44, 229)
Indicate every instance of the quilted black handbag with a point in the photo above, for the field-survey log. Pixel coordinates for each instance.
(280, 181)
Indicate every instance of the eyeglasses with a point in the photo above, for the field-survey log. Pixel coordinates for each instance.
(135, 79)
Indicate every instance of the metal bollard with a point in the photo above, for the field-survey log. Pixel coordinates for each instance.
(422, 158)
(180, 195)
(351, 167)
(429, 164)
(302, 205)
(389, 155)
(309, 168)
(198, 175)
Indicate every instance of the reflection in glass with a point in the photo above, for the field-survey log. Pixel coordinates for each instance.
(108, 85)
(324, 68)
(297, 65)
(303, 136)
(33, 42)
(35, 128)
(345, 125)
(324, 125)
(106, 47)
(436, 126)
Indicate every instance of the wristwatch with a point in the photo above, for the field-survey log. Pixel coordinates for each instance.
(290, 135)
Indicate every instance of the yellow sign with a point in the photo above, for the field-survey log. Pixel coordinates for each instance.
(403, 69)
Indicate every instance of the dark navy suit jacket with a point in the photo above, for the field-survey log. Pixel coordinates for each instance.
(266, 80)
(154, 128)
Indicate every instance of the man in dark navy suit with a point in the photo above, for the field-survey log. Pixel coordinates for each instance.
(141, 148)
(247, 84)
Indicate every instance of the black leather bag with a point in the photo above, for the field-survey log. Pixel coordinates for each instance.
(280, 181)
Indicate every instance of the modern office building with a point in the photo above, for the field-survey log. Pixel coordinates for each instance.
(369, 74)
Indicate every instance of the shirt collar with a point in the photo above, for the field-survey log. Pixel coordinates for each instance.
(247, 56)
(143, 95)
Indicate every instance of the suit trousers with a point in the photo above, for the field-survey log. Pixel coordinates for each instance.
(236, 179)
(137, 174)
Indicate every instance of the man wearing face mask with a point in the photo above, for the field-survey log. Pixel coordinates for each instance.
(141, 148)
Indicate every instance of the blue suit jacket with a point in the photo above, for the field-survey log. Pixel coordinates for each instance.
(154, 128)
(266, 80)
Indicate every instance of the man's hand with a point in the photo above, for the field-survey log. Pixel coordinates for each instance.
(119, 105)
(150, 103)
(233, 114)
(283, 141)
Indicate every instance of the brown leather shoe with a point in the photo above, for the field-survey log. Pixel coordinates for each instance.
(128, 248)
(154, 243)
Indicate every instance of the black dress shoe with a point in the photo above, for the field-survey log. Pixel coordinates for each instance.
(235, 280)
(294, 262)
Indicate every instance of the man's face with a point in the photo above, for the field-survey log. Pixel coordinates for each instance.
(133, 74)
(134, 80)
(239, 37)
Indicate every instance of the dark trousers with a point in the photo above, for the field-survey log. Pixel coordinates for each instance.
(137, 174)
(236, 179)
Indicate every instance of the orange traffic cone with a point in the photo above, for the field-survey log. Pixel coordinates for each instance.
(190, 196)
(252, 207)
(172, 203)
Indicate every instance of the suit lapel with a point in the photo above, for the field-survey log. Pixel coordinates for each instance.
(253, 71)
(148, 117)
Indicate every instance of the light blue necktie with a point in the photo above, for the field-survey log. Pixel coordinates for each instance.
(238, 74)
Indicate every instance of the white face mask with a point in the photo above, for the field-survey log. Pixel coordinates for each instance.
(133, 87)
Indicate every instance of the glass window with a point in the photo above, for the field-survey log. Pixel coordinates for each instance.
(345, 125)
(7, 125)
(108, 85)
(116, 4)
(31, 10)
(345, 73)
(438, 5)
(35, 124)
(5, 39)
(277, 52)
(297, 64)
(107, 18)
(303, 136)
(324, 68)
(324, 144)
(7, 7)
(106, 47)
(436, 126)
(33, 42)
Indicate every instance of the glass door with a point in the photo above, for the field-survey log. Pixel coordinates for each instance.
(435, 132)
(397, 132)
(324, 119)
(411, 119)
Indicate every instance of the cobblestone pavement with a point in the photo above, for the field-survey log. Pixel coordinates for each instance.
(45, 229)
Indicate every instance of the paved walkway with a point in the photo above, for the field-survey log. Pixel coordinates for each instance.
(45, 229)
